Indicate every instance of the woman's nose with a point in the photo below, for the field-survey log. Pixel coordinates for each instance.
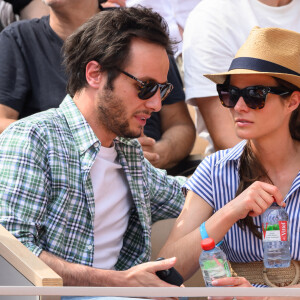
(241, 104)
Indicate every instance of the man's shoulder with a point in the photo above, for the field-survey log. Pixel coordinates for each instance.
(24, 27)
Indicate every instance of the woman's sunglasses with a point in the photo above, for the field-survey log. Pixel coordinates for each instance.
(148, 88)
(254, 96)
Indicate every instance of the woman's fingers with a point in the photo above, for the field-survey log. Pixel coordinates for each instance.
(232, 282)
(257, 198)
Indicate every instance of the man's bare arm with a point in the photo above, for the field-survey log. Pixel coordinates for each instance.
(80, 275)
(218, 122)
(7, 116)
(177, 139)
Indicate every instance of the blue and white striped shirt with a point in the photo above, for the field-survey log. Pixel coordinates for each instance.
(216, 181)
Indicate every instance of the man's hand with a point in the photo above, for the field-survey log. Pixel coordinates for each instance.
(145, 274)
(148, 145)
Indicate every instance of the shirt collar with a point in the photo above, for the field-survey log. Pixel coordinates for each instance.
(233, 154)
(82, 132)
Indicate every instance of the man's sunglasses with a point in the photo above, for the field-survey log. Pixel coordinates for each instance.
(254, 96)
(148, 88)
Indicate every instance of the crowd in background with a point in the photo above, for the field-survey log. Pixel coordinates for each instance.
(206, 41)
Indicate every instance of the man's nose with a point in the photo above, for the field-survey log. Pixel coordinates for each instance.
(154, 103)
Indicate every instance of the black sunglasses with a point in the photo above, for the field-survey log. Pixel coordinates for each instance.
(148, 88)
(254, 96)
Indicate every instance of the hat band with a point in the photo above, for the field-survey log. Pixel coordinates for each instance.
(260, 65)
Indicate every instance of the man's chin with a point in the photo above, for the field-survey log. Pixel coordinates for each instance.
(133, 135)
(137, 134)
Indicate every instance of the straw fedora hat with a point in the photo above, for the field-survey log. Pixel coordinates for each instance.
(269, 51)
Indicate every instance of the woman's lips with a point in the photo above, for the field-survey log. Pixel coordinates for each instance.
(243, 122)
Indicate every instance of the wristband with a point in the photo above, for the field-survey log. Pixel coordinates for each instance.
(204, 234)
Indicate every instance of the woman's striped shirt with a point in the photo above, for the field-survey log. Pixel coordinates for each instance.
(216, 180)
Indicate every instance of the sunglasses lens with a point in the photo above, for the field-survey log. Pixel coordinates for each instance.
(228, 95)
(165, 91)
(255, 97)
(148, 90)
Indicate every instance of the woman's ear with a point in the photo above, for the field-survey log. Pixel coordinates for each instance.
(93, 74)
(294, 101)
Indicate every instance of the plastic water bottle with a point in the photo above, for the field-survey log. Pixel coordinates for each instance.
(276, 237)
(213, 262)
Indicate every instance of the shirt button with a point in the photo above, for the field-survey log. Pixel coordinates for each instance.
(90, 247)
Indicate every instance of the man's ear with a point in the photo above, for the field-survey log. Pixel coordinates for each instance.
(93, 74)
(294, 101)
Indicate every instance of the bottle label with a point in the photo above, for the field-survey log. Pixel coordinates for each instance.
(214, 269)
(227, 269)
(275, 232)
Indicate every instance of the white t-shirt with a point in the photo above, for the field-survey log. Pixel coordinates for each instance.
(215, 30)
(166, 9)
(173, 11)
(182, 10)
(113, 201)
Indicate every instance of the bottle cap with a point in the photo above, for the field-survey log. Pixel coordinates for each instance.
(208, 244)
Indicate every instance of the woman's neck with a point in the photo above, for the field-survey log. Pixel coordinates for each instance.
(276, 154)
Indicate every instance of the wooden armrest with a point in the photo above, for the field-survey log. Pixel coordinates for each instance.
(27, 263)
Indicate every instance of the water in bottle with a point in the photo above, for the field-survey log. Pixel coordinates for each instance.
(276, 237)
(213, 262)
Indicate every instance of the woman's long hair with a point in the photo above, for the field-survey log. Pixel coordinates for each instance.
(251, 169)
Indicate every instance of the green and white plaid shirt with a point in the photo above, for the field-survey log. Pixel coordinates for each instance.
(46, 192)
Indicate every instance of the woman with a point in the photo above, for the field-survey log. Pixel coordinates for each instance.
(231, 189)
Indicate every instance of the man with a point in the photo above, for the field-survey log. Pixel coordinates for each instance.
(74, 185)
(33, 48)
(214, 31)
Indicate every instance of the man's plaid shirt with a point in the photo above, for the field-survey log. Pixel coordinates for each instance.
(46, 192)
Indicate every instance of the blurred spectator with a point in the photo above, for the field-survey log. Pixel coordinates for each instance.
(170, 133)
(214, 32)
(182, 10)
(7, 15)
(34, 9)
(13, 10)
(175, 12)
(34, 79)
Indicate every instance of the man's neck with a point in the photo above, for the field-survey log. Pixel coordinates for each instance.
(276, 2)
(65, 20)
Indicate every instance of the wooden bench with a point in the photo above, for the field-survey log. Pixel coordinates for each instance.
(20, 267)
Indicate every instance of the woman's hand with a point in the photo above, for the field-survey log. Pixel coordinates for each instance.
(233, 282)
(255, 200)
